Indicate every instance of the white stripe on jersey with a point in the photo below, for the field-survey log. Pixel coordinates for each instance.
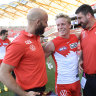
(2, 52)
(67, 68)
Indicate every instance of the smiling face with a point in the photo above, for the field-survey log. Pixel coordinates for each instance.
(83, 20)
(63, 27)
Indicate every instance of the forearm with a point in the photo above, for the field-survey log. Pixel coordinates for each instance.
(81, 63)
(10, 82)
(81, 56)
(47, 55)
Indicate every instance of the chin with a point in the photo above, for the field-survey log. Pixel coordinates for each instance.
(63, 33)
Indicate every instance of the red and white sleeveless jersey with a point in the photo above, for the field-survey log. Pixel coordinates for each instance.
(66, 60)
(3, 45)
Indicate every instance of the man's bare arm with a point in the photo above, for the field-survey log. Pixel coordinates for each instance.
(81, 62)
(49, 48)
(7, 79)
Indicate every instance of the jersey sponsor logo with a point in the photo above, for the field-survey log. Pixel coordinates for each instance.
(63, 93)
(5, 43)
(32, 47)
(28, 42)
(73, 45)
(62, 48)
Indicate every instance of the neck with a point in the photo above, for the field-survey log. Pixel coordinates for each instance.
(65, 36)
(29, 30)
(92, 22)
(2, 38)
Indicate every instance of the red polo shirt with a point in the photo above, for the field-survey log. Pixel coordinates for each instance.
(88, 42)
(27, 55)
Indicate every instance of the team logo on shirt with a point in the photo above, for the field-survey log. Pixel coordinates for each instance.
(32, 47)
(73, 45)
(62, 48)
(28, 42)
(63, 93)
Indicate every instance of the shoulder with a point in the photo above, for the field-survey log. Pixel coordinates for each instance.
(50, 46)
(19, 40)
(17, 43)
(55, 40)
(8, 41)
(15, 47)
(73, 35)
(50, 43)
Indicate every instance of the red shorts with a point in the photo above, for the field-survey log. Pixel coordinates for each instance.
(73, 89)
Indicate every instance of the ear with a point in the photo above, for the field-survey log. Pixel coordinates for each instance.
(38, 21)
(88, 15)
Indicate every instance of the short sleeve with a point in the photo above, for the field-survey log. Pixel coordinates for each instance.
(14, 53)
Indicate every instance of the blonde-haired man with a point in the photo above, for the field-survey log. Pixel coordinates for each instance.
(64, 51)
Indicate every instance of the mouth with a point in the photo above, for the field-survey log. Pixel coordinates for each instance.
(82, 24)
(61, 30)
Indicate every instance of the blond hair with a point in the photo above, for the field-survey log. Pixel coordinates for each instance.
(61, 15)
